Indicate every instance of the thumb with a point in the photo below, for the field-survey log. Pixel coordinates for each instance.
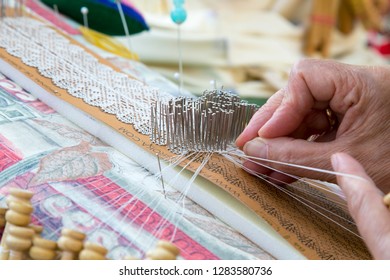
(290, 155)
(365, 204)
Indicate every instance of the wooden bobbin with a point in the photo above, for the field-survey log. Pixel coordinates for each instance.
(386, 200)
(16, 195)
(18, 240)
(43, 249)
(71, 243)
(164, 251)
(93, 251)
(37, 233)
(130, 258)
(19, 195)
(19, 214)
(160, 254)
(2, 225)
(2, 217)
(37, 229)
(168, 246)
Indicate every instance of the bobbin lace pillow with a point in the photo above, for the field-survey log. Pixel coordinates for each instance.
(78, 72)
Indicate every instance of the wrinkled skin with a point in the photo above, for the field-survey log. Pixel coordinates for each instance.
(355, 138)
(365, 203)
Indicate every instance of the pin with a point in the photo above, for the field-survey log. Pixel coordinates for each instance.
(84, 12)
(207, 124)
(213, 83)
(56, 11)
(177, 77)
(22, 7)
(161, 176)
(2, 8)
(178, 16)
(124, 23)
(16, 8)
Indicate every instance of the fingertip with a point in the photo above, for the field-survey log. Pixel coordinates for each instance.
(335, 160)
(365, 202)
(283, 122)
(257, 147)
(344, 163)
(351, 177)
(248, 134)
(240, 141)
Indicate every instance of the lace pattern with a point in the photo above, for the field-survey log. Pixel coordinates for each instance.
(78, 72)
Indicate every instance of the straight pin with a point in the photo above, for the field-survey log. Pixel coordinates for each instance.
(84, 12)
(56, 11)
(3, 7)
(161, 175)
(21, 7)
(207, 124)
(16, 8)
(124, 23)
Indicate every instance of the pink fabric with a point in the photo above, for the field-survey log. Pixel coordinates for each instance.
(80, 182)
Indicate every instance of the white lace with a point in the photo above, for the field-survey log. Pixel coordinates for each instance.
(73, 69)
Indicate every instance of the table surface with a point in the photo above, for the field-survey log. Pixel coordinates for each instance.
(79, 182)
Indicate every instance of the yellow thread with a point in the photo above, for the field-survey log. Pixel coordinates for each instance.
(107, 43)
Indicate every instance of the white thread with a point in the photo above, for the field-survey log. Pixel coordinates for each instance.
(78, 72)
(301, 167)
(84, 77)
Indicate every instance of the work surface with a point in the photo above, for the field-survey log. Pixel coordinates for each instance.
(69, 170)
(81, 182)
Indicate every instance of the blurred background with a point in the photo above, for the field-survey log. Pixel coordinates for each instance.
(246, 47)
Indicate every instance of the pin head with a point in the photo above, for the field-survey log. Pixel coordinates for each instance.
(178, 3)
(84, 10)
(176, 76)
(179, 15)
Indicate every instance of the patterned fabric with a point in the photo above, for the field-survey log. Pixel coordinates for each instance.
(81, 183)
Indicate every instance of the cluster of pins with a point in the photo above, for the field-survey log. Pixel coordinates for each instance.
(206, 124)
(11, 8)
(22, 240)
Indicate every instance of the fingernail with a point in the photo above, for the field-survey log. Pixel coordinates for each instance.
(256, 148)
(238, 141)
(335, 159)
(239, 138)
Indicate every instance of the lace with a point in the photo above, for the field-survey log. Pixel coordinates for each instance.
(78, 72)
(209, 124)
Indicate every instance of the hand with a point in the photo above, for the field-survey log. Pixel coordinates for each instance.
(359, 98)
(365, 204)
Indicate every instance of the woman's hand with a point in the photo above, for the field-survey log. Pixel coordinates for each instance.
(358, 99)
(365, 204)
